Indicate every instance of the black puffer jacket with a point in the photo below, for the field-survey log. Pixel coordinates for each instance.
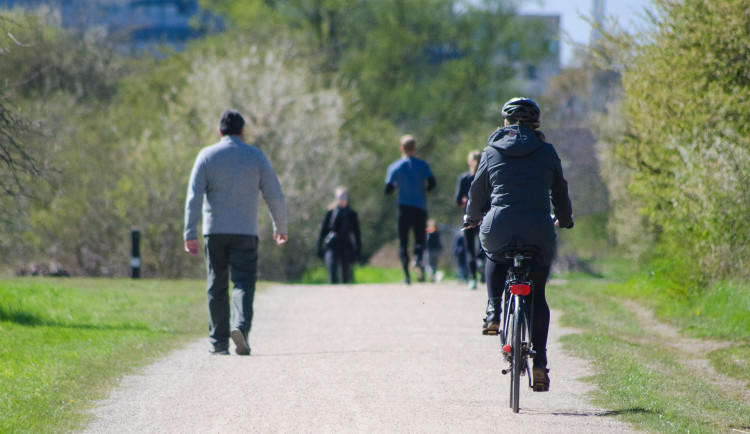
(520, 173)
(342, 224)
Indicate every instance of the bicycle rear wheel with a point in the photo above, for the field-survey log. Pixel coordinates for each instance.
(517, 357)
(506, 337)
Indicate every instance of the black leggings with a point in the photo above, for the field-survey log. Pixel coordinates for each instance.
(415, 219)
(496, 272)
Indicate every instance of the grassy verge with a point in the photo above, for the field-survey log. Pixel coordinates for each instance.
(644, 380)
(720, 312)
(65, 342)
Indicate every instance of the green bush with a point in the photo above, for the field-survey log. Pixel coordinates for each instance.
(686, 151)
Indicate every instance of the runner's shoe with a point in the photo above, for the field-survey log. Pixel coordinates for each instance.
(421, 275)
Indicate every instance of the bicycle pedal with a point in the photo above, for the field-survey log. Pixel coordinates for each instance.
(505, 371)
(490, 332)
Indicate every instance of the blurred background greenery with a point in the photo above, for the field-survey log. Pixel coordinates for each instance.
(650, 126)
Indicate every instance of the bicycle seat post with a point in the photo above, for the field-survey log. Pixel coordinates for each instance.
(517, 258)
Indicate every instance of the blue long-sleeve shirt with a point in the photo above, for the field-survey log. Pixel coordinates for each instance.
(224, 188)
(410, 175)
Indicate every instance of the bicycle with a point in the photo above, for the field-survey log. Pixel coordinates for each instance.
(515, 333)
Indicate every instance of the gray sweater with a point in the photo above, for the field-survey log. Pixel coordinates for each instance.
(229, 175)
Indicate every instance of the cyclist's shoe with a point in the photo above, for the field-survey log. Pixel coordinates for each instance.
(541, 379)
(490, 328)
(243, 349)
(492, 320)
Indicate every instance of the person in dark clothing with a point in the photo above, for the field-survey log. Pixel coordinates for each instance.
(339, 242)
(520, 172)
(413, 179)
(459, 252)
(434, 246)
(463, 183)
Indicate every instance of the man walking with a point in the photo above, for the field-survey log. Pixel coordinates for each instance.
(225, 183)
(413, 179)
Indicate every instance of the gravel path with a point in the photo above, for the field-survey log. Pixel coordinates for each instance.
(360, 358)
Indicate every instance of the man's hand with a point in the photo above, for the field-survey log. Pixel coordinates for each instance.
(280, 238)
(191, 246)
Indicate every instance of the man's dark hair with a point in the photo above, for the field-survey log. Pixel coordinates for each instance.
(231, 123)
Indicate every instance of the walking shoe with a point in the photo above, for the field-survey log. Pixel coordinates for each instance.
(407, 280)
(472, 284)
(541, 379)
(490, 328)
(243, 349)
(221, 351)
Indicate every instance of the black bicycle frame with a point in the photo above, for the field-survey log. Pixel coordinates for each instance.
(519, 289)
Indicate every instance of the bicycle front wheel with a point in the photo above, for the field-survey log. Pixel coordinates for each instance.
(517, 356)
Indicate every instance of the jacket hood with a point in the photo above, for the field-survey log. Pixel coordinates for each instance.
(514, 141)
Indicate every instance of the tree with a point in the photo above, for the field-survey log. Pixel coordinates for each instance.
(60, 82)
(17, 162)
(687, 143)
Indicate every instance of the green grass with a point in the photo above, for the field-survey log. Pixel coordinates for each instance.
(66, 341)
(643, 380)
(734, 362)
(365, 274)
(720, 311)
(669, 288)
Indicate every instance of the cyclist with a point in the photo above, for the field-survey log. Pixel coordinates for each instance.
(520, 173)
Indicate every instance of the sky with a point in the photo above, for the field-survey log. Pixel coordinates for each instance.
(628, 14)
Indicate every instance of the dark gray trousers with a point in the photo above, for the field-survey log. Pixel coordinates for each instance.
(236, 257)
(336, 260)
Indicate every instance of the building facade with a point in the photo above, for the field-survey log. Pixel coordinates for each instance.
(131, 24)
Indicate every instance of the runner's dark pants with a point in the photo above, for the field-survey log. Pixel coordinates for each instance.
(415, 219)
(496, 272)
(234, 256)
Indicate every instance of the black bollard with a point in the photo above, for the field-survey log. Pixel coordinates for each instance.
(135, 253)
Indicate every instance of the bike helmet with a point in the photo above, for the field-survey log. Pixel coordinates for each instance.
(521, 109)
